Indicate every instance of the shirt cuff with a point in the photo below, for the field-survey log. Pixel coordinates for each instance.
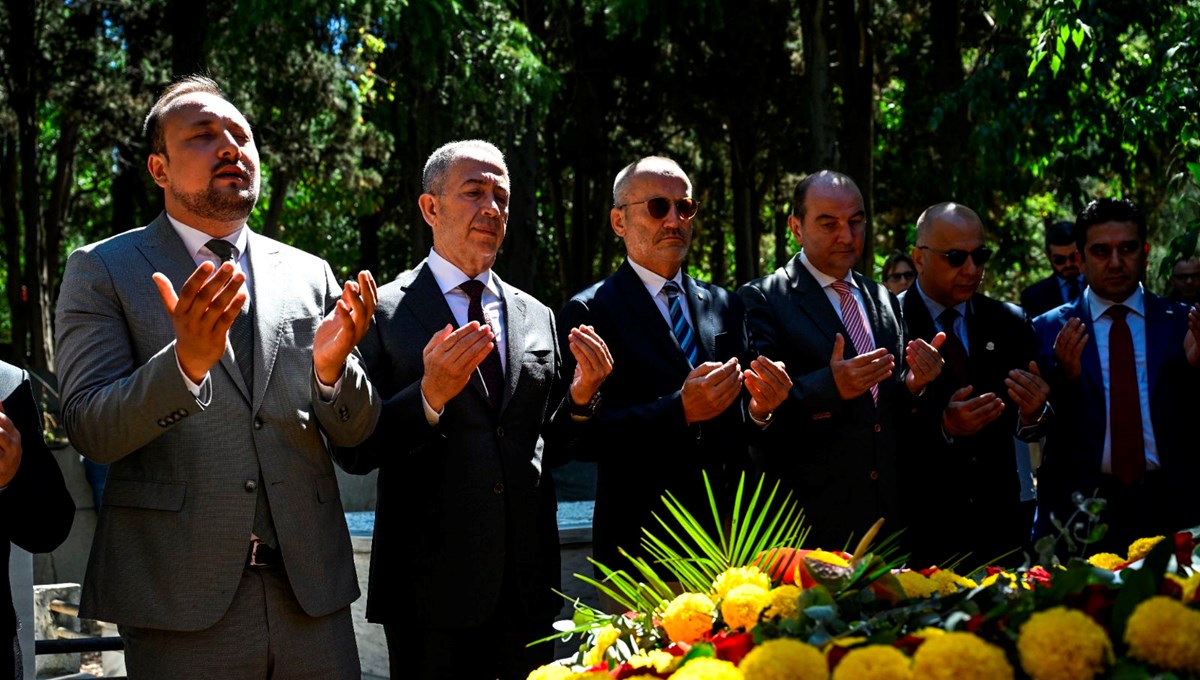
(328, 393)
(431, 416)
(202, 392)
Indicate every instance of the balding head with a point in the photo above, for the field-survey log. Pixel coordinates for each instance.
(947, 214)
(949, 240)
(650, 165)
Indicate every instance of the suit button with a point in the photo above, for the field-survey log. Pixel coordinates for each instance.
(183, 412)
(258, 423)
(344, 413)
(877, 427)
(500, 433)
(874, 475)
(498, 489)
(162, 423)
(251, 485)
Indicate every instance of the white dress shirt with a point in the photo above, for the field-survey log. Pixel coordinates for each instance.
(835, 299)
(654, 284)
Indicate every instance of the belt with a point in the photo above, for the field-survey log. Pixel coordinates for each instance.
(262, 555)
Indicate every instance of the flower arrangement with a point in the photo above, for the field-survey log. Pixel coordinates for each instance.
(755, 606)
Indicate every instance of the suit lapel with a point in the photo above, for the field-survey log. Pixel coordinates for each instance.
(515, 322)
(703, 324)
(812, 302)
(646, 316)
(268, 281)
(424, 300)
(1158, 341)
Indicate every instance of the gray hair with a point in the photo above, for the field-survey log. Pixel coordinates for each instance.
(627, 173)
(437, 168)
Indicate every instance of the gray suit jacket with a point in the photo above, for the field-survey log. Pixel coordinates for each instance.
(179, 504)
(462, 503)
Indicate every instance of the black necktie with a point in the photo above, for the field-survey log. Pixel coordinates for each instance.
(1072, 288)
(953, 350)
(491, 369)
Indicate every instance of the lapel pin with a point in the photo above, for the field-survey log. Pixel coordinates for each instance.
(990, 346)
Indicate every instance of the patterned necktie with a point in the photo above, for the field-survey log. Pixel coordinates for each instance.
(1128, 460)
(679, 323)
(491, 369)
(856, 325)
(1072, 288)
(953, 350)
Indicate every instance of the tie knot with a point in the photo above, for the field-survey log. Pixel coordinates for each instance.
(948, 316)
(1117, 312)
(221, 248)
(473, 288)
(842, 288)
(671, 289)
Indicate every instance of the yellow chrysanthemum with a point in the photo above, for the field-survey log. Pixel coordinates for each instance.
(602, 640)
(784, 659)
(708, 668)
(689, 616)
(827, 557)
(960, 655)
(655, 660)
(1063, 644)
(784, 601)
(916, 585)
(948, 582)
(1190, 586)
(1141, 547)
(743, 604)
(878, 662)
(735, 576)
(1166, 633)
(928, 632)
(1107, 561)
(589, 675)
(550, 672)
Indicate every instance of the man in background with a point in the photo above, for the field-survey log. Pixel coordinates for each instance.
(1065, 284)
(1185, 280)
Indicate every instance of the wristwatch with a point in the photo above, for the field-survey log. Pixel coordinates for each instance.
(586, 410)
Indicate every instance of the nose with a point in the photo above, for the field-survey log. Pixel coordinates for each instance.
(229, 147)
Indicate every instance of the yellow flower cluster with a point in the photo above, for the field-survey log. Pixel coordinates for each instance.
(1109, 561)
(948, 582)
(878, 662)
(655, 660)
(1188, 585)
(1166, 633)
(603, 639)
(1063, 644)
(736, 576)
(551, 672)
(689, 616)
(916, 585)
(785, 600)
(784, 659)
(708, 668)
(960, 655)
(743, 604)
(1141, 547)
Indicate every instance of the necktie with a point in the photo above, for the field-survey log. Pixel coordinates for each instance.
(856, 326)
(491, 369)
(1072, 288)
(241, 338)
(953, 350)
(679, 323)
(1128, 459)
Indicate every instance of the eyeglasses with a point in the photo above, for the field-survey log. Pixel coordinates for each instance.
(1060, 260)
(660, 206)
(907, 276)
(957, 258)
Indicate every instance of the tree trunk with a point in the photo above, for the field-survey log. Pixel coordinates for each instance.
(820, 150)
(518, 262)
(10, 214)
(281, 184)
(856, 65)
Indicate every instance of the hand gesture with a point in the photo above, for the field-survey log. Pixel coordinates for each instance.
(1028, 391)
(964, 416)
(1191, 341)
(768, 384)
(857, 375)
(344, 327)
(202, 314)
(924, 362)
(1068, 348)
(709, 389)
(450, 357)
(593, 363)
(10, 448)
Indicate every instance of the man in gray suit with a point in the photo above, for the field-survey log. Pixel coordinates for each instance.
(466, 541)
(222, 550)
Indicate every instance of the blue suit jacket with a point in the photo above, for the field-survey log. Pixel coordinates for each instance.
(1075, 443)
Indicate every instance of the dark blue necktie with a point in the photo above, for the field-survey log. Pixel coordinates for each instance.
(679, 323)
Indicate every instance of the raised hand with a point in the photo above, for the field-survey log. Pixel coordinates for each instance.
(10, 448)
(202, 314)
(450, 357)
(768, 384)
(1068, 348)
(709, 389)
(593, 363)
(924, 362)
(344, 327)
(1028, 391)
(965, 416)
(857, 375)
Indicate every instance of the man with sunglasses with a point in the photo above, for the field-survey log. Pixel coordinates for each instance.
(961, 489)
(673, 406)
(1065, 284)
(854, 371)
(1123, 365)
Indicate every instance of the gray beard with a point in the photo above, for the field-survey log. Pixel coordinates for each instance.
(220, 206)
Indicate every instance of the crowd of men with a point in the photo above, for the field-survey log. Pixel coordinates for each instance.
(221, 374)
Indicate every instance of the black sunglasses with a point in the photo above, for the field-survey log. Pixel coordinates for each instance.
(958, 258)
(1060, 260)
(896, 276)
(660, 206)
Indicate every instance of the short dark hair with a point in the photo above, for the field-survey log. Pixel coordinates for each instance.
(152, 128)
(1060, 234)
(894, 259)
(1104, 210)
(800, 193)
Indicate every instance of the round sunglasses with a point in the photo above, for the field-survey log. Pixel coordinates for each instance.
(660, 206)
(957, 258)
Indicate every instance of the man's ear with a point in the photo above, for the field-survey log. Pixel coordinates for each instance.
(918, 257)
(616, 217)
(156, 163)
(429, 208)
(794, 226)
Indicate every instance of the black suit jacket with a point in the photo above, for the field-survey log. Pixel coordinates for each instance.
(965, 496)
(639, 438)
(36, 510)
(462, 502)
(1043, 296)
(838, 456)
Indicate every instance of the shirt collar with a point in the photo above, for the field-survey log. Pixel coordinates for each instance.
(1098, 305)
(450, 277)
(194, 239)
(653, 282)
(936, 308)
(822, 278)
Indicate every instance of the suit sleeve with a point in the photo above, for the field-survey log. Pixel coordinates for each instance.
(112, 406)
(36, 511)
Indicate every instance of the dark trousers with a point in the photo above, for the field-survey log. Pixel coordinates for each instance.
(1141, 510)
